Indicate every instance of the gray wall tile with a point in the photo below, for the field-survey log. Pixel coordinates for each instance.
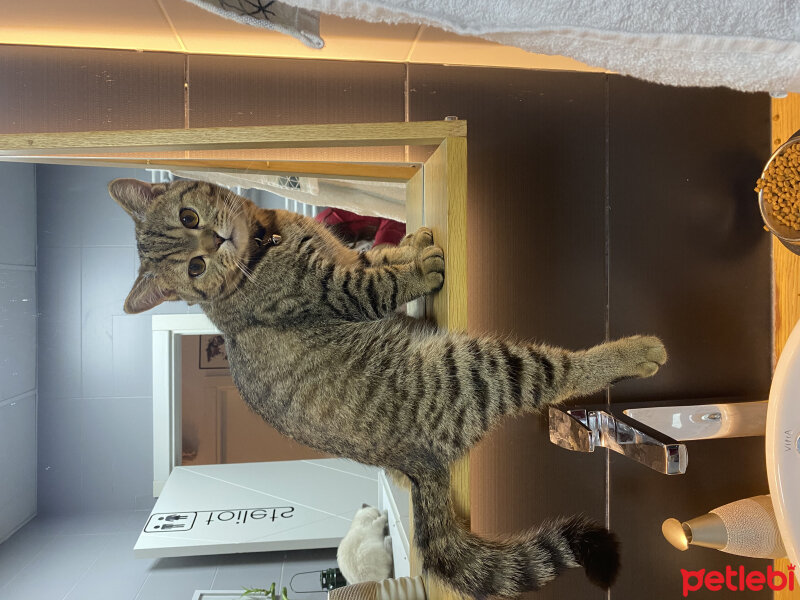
(105, 282)
(17, 463)
(18, 323)
(116, 457)
(74, 208)
(100, 428)
(58, 205)
(18, 205)
(132, 355)
(95, 454)
(107, 224)
(18, 332)
(59, 302)
(59, 440)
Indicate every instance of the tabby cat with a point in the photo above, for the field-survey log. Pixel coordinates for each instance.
(317, 349)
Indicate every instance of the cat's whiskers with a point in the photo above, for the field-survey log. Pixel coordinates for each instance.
(234, 203)
(233, 206)
(224, 213)
(245, 271)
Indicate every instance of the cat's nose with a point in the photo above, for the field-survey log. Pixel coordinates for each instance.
(219, 240)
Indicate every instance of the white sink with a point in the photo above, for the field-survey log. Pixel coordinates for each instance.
(783, 444)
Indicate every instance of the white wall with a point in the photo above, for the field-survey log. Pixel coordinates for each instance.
(17, 346)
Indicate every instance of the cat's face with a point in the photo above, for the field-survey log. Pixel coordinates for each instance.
(193, 238)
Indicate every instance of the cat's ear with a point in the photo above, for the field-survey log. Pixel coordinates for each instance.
(133, 195)
(146, 293)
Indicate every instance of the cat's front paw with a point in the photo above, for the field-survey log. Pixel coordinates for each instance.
(431, 264)
(639, 355)
(421, 238)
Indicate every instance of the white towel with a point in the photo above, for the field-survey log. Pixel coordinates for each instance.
(269, 14)
(749, 45)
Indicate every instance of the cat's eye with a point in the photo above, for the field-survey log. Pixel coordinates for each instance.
(197, 266)
(189, 218)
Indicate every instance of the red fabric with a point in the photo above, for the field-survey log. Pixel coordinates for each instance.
(387, 231)
(390, 232)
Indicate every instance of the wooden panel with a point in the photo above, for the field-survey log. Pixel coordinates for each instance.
(535, 268)
(786, 268)
(236, 91)
(689, 261)
(67, 89)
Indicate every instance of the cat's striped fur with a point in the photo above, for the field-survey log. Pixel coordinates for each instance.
(317, 349)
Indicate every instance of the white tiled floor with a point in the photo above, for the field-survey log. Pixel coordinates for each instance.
(90, 557)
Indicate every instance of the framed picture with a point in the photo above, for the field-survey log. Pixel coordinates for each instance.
(212, 352)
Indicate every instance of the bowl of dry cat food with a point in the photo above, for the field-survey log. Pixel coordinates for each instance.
(779, 193)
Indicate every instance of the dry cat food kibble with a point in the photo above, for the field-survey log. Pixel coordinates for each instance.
(781, 187)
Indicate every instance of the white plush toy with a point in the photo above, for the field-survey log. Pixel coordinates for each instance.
(365, 552)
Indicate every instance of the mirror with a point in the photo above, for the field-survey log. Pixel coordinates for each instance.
(110, 379)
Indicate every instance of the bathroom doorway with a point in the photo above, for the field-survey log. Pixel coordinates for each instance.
(217, 426)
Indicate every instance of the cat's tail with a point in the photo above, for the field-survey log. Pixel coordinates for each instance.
(506, 568)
